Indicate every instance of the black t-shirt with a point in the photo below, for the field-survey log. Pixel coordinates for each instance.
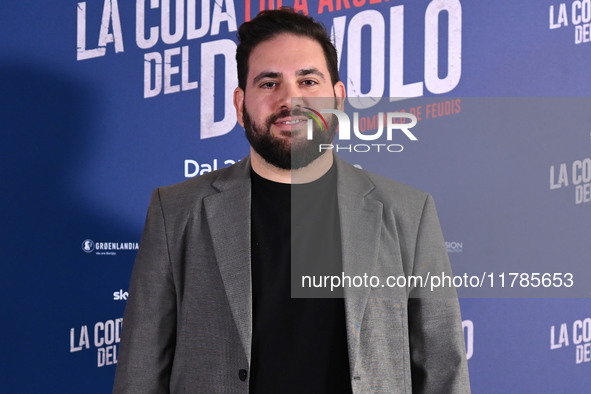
(299, 344)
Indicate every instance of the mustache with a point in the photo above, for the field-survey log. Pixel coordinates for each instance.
(285, 113)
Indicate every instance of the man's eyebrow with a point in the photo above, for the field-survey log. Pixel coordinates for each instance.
(266, 74)
(299, 73)
(310, 71)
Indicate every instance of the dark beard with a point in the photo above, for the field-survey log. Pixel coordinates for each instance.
(280, 153)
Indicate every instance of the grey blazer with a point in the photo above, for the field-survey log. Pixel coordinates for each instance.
(187, 326)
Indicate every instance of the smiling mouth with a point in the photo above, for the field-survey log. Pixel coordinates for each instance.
(292, 122)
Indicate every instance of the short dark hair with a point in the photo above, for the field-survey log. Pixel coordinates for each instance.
(270, 23)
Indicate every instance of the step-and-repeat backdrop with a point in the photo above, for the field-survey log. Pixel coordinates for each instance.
(104, 100)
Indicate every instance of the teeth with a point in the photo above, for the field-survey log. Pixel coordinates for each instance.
(290, 122)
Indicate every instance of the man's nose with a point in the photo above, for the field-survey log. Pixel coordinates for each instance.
(290, 96)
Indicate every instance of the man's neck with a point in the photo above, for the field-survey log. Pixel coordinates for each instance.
(307, 174)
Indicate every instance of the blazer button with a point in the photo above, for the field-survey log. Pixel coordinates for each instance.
(242, 374)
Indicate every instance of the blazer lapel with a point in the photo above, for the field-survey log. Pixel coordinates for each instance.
(361, 220)
(228, 217)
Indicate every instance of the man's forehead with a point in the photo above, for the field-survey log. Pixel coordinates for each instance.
(277, 39)
(270, 56)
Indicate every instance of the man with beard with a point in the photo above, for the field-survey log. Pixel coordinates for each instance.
(210, 307)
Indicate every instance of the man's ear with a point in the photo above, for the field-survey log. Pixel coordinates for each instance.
(239, 105)
(340, 94)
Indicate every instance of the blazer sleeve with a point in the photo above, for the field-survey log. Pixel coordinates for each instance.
(149, 324)
(438, 355)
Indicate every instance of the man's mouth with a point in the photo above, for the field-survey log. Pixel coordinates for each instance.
(291, 122)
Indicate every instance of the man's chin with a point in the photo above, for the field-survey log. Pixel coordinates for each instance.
(295, 160)
(293, 132)
(304, 158)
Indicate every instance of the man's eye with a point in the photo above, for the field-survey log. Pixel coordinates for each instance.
(309, 82)
(268, 85)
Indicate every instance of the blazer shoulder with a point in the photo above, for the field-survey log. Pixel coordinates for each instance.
(187, 192)
(395, 187)
(393, 193)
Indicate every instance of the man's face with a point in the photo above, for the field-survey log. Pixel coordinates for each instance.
(283, 73)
